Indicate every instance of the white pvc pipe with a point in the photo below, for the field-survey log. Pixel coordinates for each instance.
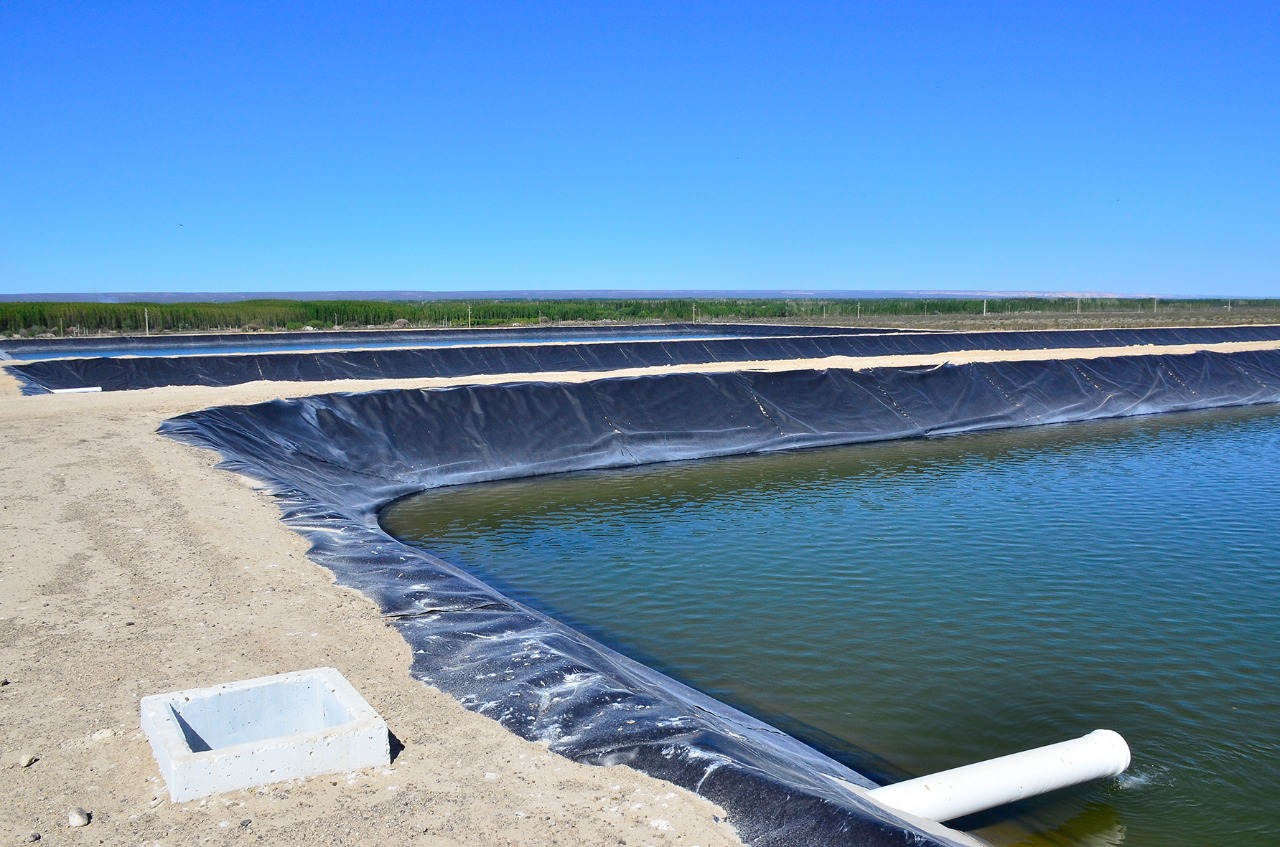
(962, 791)
(88, 389)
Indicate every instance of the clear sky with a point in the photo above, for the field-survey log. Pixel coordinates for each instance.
(1126, 147)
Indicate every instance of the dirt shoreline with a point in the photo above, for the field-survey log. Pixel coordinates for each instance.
(133, 567)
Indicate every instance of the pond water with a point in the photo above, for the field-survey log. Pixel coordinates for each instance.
(912, 606)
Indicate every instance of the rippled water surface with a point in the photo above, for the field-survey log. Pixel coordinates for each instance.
(913, 606)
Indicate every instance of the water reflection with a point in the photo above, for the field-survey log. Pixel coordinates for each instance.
(1097, 825)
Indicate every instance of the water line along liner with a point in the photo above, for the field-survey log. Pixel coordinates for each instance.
(610, 353)
(335, 460)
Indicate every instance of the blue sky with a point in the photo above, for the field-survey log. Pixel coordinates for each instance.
(1120, 147)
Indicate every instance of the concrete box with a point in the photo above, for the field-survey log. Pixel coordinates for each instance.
(259, 731)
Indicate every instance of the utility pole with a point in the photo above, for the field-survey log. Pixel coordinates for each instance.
(146, 316)
(468, 316)
(984, 308)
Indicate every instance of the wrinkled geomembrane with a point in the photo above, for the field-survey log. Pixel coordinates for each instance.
(782, 343)
(334, 460)
(316, 339)
(296, 356)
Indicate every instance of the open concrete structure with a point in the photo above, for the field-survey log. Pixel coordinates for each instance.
(259, 731)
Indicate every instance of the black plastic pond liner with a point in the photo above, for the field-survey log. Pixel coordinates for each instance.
(407, 337)
(335, 460)
(121, 374)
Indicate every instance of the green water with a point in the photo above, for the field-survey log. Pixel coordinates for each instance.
(913, 606)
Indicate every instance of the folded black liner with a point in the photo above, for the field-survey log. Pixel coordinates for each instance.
(612, 352)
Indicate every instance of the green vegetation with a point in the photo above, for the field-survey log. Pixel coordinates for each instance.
(37, 318)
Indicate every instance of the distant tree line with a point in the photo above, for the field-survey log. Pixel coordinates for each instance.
(36, 318)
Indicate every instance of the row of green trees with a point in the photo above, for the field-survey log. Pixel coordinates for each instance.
(91, 318)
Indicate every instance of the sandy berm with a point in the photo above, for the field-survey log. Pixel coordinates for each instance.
(131, 566)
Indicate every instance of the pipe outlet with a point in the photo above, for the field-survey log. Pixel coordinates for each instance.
(973, 788)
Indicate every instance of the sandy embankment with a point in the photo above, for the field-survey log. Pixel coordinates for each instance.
(131, 567)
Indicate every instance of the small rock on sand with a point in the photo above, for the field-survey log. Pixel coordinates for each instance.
(26, 760)
(78, 817)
